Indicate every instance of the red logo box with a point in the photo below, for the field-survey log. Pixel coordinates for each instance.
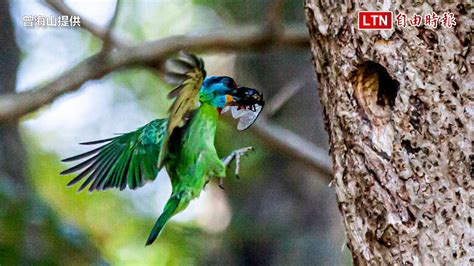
(375, 20)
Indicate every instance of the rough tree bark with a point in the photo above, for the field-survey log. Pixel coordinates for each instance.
(398, 107)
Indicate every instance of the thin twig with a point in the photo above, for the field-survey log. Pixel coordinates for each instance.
(107, 41)
(274, 16)
(285, 94)
(60, 7)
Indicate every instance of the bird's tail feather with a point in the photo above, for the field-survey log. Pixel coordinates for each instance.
(168, 212)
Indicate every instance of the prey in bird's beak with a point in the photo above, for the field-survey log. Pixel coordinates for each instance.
(246, 105)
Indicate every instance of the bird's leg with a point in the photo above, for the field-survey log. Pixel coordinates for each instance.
(236, 155)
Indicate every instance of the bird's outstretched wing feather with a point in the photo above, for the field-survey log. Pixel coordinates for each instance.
(188, 72)
(129, 159)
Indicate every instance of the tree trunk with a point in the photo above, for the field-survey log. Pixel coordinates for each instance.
(30, 232)
(398, 107)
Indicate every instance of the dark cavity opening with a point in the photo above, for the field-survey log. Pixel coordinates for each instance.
(387, 87)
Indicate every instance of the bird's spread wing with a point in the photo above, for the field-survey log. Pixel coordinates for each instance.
(128, 159)
(187, 71)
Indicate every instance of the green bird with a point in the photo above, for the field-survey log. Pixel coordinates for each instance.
(183, 142)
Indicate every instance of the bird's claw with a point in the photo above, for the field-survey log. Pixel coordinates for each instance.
(221, 183)
(236, 155)
(205, 184)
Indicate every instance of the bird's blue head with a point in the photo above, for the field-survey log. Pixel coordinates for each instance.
(218, 91)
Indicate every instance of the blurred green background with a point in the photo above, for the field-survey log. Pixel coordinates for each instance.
(279, 213)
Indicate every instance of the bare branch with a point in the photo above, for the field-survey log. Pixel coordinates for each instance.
(108, 42)
(294, 146)
(285, 94)
(60, 7)
(13, 106)
(274, 16)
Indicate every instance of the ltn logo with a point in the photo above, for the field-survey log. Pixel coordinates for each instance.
(375, 20)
